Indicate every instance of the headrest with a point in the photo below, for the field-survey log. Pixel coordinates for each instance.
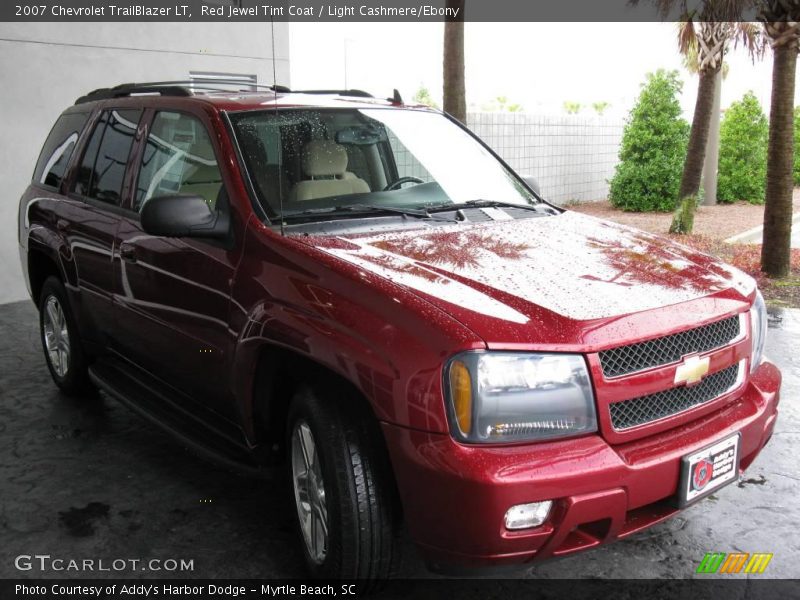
(324, 157)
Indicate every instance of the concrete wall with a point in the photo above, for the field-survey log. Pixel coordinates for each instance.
(44, 67)
(572, 157)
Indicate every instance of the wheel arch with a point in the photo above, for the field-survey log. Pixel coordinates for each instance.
(43, 262)
(278, 372)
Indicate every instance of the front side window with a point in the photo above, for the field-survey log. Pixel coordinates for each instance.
(178, 159)
(104, 163)
(57, 150)
(303, 160)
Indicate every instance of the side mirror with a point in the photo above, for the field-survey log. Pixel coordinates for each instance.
(183, 216)
(532, 183)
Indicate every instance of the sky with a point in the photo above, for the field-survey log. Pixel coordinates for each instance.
(529, 63)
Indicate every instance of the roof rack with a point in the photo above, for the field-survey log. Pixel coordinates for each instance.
(353, 93)
(174, 88)
(129, 89)
(188, 87)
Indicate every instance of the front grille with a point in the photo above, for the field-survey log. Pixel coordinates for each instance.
(637, 411)
(668, 349)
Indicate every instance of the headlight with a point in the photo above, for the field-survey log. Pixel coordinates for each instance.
(513, 397)
(758, 330)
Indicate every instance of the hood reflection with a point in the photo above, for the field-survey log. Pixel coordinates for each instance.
(571, 264)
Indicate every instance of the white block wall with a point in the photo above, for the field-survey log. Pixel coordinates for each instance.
(44, 67)
(573, 157)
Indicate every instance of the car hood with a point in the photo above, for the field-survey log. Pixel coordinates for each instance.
(530, 280)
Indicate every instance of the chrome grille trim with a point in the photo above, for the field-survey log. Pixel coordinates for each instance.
(647, 409)
(633, 358)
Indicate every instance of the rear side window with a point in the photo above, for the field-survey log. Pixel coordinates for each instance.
(106, 158)
(178, 159)
(57, 150)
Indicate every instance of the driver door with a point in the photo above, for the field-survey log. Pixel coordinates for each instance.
(173, 294)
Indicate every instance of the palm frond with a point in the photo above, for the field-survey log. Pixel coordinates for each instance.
(727, 10)
(690, 61)
(687, 37)
(702, 10)
(751, 37)
(664, 8)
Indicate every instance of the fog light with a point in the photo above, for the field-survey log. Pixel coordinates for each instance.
(525, 516)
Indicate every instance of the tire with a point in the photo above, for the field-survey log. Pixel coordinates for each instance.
(359, 498)
(61, 343)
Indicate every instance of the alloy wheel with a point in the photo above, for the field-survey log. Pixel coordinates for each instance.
(309, 492)
(56, 336)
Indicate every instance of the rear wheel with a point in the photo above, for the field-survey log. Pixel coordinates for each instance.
(60, 341)
(347, 512)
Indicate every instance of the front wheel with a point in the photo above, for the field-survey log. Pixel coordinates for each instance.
(60, 340)
(347, 511)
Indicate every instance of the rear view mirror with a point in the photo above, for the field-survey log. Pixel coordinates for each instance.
(361, 135)
(183, 216)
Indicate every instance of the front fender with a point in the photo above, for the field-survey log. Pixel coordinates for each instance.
(388, 343)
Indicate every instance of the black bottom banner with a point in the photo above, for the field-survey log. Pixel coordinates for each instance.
(460, 589)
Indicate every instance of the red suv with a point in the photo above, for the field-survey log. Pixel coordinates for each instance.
(365, 292)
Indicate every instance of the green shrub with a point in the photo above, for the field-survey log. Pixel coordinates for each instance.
(743, 152)
(653, 148)
(796, 147)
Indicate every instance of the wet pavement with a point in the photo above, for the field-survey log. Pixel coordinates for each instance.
(88, 479)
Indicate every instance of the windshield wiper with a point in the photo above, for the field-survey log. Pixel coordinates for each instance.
(367, 209)
(481, 203)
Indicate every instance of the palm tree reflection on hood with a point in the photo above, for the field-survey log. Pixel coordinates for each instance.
(457, 249)
(642, 259)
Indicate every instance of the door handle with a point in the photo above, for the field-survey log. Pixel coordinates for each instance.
(127, 253)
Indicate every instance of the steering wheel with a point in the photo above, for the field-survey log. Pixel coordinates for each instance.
(398, 182)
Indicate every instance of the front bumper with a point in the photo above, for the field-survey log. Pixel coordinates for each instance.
(455, 496)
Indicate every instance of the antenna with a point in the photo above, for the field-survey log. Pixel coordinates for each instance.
(280, 141)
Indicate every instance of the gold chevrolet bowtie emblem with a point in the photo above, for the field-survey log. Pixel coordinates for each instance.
(692, 370)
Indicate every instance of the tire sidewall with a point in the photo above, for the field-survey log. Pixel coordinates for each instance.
(328, 437)
(74, 379)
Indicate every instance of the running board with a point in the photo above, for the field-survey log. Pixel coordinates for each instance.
(154, 402)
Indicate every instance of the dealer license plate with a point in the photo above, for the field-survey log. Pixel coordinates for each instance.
(709, 469)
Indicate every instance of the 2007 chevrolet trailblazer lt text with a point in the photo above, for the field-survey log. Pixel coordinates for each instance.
(364, 292)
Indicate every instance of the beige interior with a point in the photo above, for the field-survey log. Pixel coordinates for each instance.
(201, 174)
(325, 164)
(205, 181)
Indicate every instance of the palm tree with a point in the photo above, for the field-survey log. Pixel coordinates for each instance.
(709, 39)
(709, 179)
(706, 31)
(455, 100)
(780, 19)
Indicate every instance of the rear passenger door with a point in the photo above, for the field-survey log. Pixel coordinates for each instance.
(92, 215)
(172, 294)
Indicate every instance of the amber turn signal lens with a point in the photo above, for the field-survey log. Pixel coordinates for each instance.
(461, 391)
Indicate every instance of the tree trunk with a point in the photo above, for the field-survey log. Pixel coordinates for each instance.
(455, 101)
(683, 220)
(711, 165)
(775, 251)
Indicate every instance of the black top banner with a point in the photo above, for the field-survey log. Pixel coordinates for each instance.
(412, 11)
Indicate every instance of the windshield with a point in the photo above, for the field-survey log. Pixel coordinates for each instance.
(317, 161)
